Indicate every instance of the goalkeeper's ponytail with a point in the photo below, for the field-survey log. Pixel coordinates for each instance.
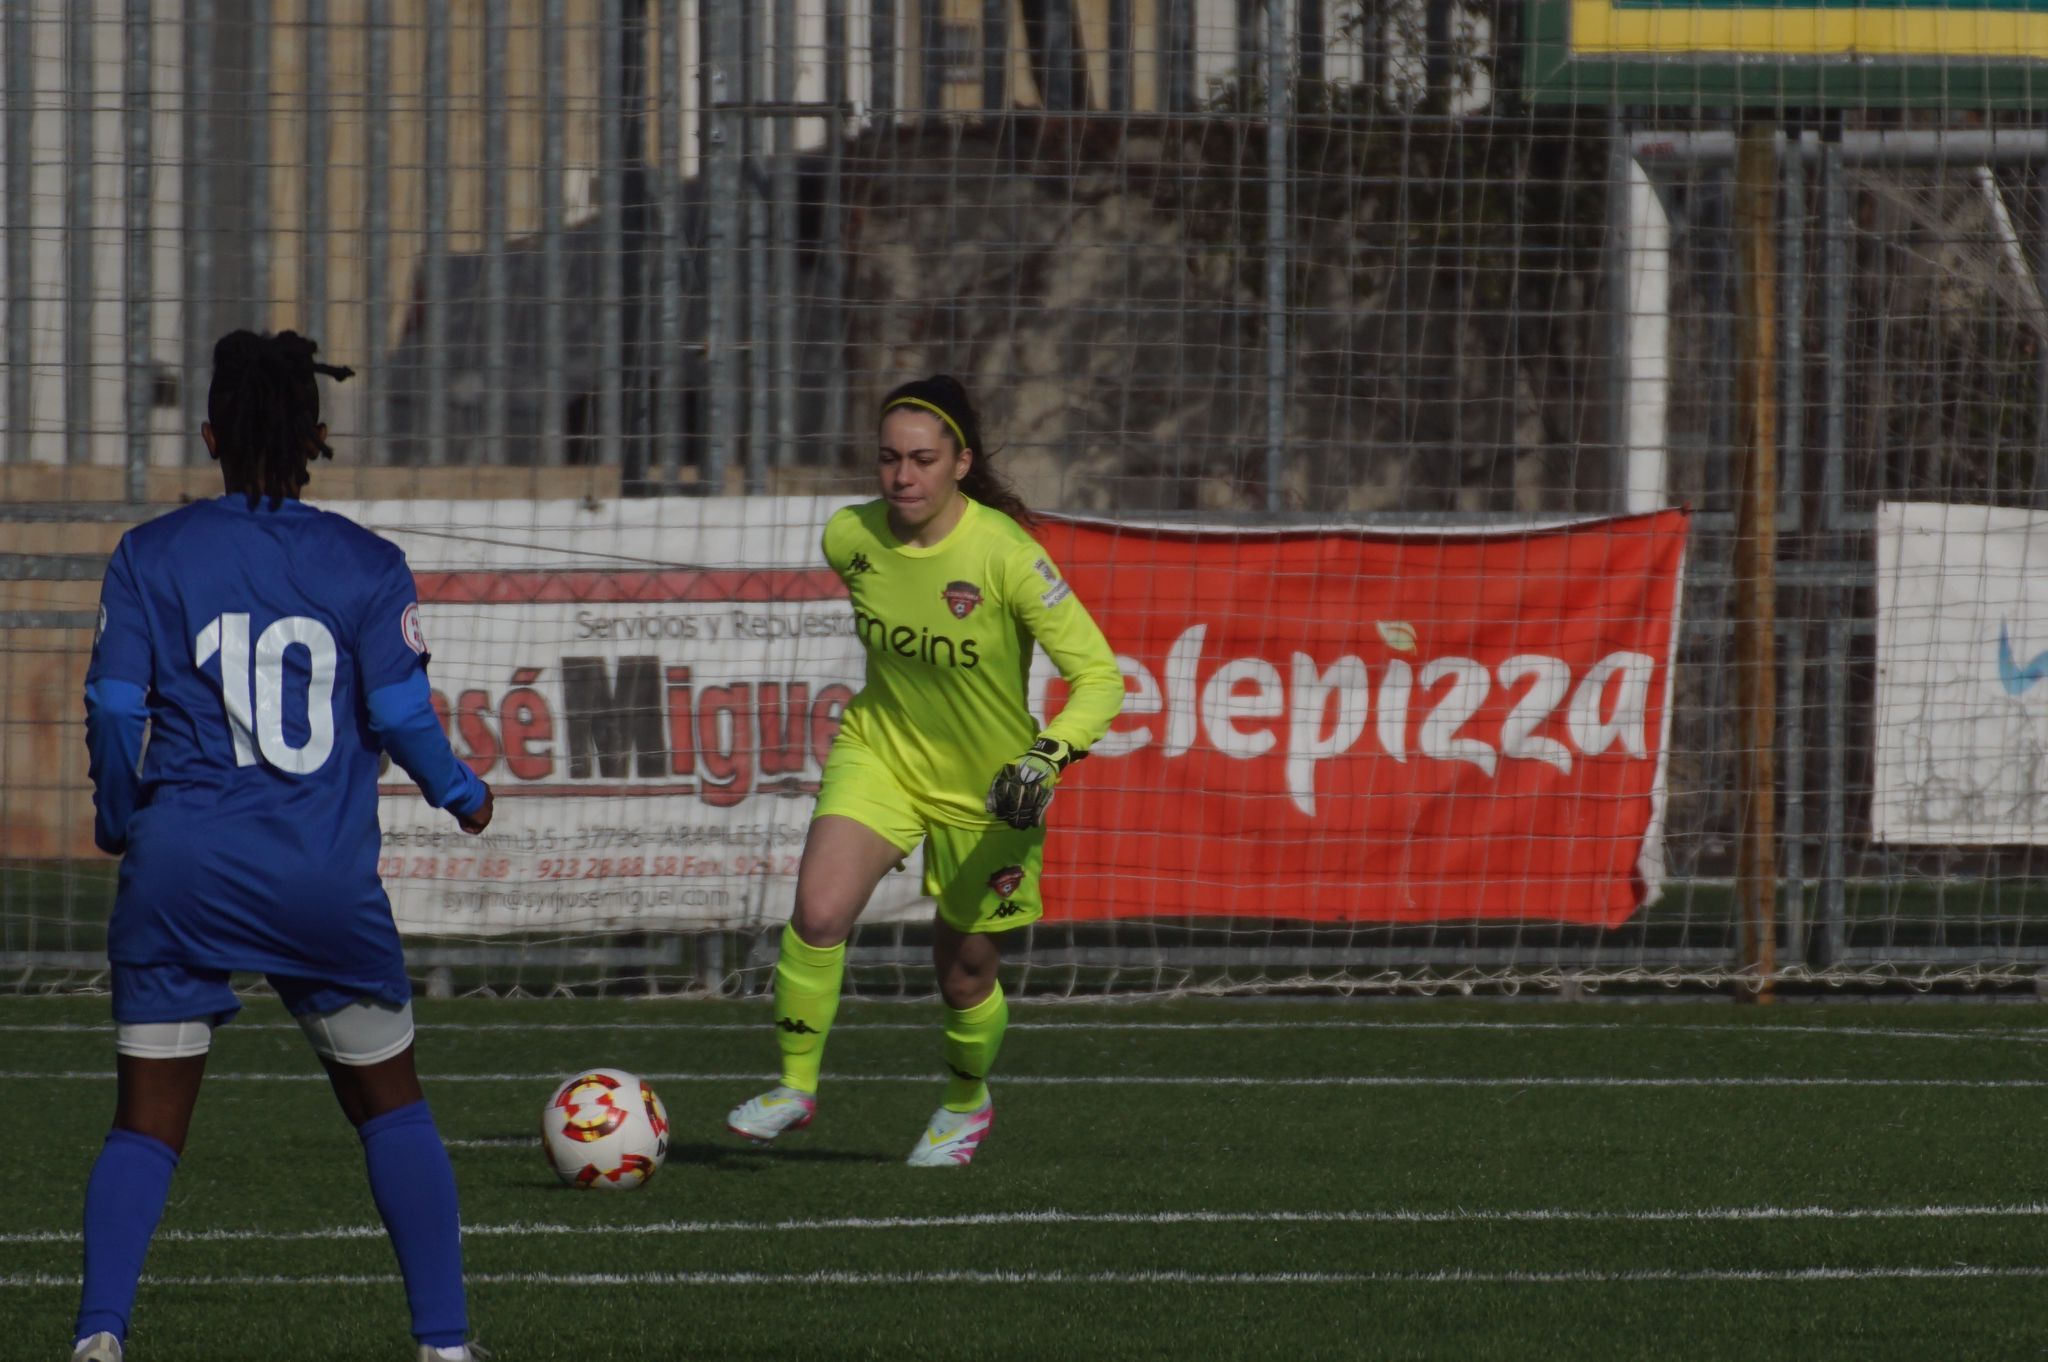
(944, 396)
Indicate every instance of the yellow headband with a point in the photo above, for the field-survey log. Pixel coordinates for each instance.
(936, 410)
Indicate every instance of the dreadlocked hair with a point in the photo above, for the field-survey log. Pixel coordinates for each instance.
(264, 406)
(945, 397)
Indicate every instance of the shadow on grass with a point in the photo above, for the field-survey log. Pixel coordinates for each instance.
(705, 1154)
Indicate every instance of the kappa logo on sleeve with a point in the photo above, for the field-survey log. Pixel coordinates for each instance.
(415, 637)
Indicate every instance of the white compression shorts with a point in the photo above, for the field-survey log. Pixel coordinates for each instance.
(366, 1031)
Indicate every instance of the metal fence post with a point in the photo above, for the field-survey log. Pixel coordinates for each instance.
(553, 357)
(1755, 567)
(377, 225)
(496, 432)
(783, 281)
(1616, 282)
(312, 318)
(1791, 443)
(995, 51)
(611, 278)
(2040, 497)
(20, 97)
(1120, 56)
(258, 111)
(1834, 488)
(881, 57)
(754, 189)
(137, 241)
(1279, 100)
(434, 260)
(668, 372)
(720, 134)
(196, 225)
(78, 235)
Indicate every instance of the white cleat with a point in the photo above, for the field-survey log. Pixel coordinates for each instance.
(101, 1347)
(461, 1352)
(952, 1138)
(775, 1112)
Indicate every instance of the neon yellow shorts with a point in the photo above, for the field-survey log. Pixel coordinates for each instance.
(985, 877)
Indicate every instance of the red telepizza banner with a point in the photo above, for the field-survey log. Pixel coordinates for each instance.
(1345, 726)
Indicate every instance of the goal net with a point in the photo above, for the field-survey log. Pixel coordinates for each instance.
(1386, 425)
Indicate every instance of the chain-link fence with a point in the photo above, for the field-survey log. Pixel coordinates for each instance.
(1237, 263)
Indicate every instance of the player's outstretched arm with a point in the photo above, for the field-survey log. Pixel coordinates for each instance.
(402, 716)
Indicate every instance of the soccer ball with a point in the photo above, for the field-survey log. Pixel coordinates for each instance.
(604, 1128)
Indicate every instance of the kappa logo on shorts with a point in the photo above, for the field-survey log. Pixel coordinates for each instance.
(961, 598)
(415, 637)
(1005, 882)
(1008, 909)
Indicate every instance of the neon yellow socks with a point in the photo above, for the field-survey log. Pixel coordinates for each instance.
(807, 980)
(973, 1036)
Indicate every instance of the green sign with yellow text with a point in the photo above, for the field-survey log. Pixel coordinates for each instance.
(1843, 54)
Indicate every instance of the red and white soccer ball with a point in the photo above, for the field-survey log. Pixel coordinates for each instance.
(604, 1128)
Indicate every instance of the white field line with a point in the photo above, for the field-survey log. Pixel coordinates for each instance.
(1445, 1277)
(1150, 1080)
(2018, 1036)
(1056, 1219)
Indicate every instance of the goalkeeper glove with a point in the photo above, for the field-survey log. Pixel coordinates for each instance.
(1022, 790)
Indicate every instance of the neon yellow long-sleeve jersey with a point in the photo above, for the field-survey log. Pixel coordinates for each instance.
(948, 631)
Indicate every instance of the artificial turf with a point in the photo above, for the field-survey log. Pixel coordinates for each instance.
(1304, 1179)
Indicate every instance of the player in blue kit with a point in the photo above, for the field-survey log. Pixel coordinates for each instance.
(274, 652)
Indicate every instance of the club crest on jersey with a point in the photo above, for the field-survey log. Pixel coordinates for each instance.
(415, 637)
(961, 598)
(1006, 881)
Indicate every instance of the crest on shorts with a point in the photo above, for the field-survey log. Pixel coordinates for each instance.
(1007, 880)
(961, 598)
(415, 637)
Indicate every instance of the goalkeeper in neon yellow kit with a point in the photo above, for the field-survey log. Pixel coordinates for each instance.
(949, 593)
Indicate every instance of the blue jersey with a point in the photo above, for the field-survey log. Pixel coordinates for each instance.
(263, 642)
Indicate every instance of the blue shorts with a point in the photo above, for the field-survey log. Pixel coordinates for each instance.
(173, 993)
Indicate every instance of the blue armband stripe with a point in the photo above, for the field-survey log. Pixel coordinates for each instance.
(116, 717)
(402, 716)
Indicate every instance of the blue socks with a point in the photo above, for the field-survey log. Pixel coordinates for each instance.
(410, 1178)
(124, 1199)
(414, 1187)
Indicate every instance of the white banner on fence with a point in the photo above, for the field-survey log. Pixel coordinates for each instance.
(1962, 675)
(650, 688)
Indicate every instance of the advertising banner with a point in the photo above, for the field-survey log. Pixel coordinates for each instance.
(1320, 724)
(1341, 726)
(1962, 651)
